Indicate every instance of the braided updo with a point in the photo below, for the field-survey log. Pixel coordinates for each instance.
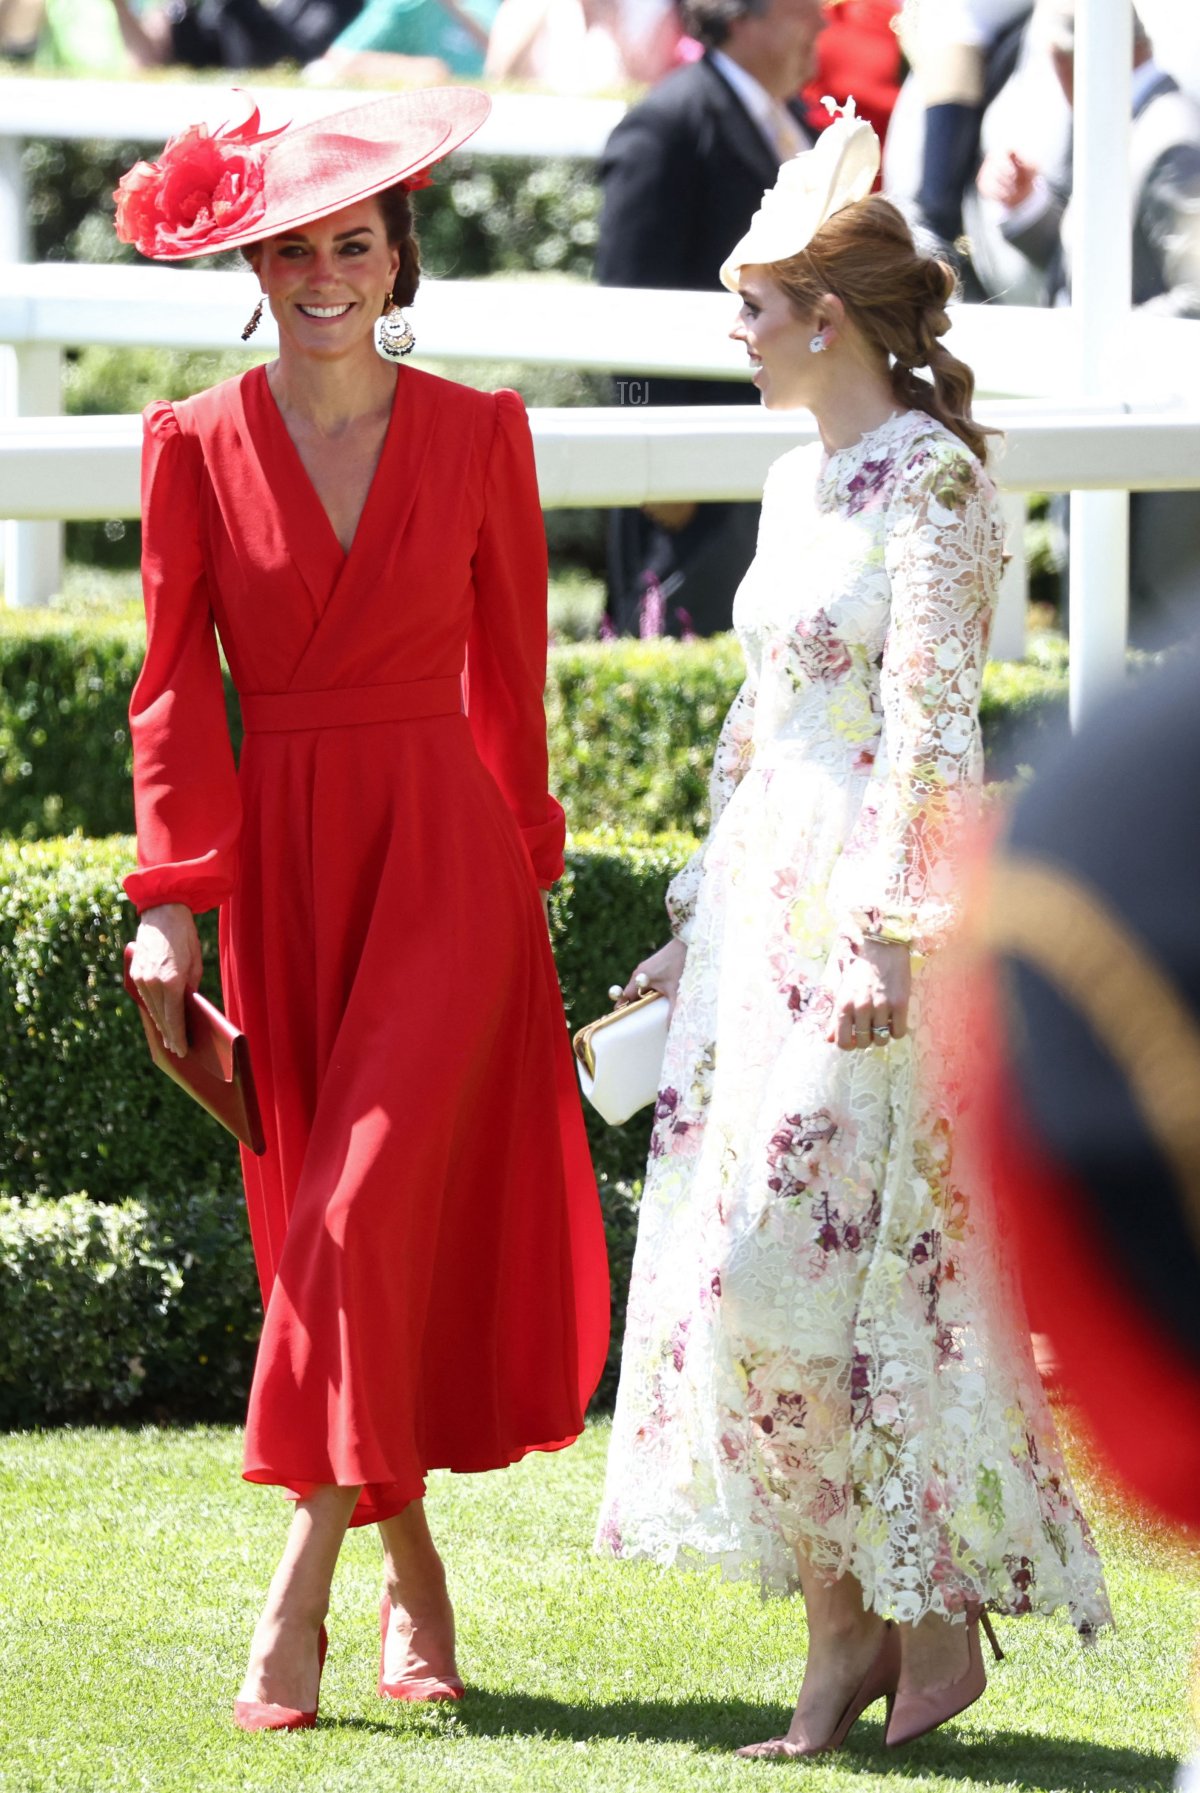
(897, 298)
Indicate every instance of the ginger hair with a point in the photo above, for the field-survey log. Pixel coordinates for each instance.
(896, 296)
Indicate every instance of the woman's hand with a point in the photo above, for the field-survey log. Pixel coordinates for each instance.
(870, 1004)
(166, 965)
(661, 971)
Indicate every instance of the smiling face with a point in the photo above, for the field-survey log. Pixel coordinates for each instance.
(326, 283)
(777, 342)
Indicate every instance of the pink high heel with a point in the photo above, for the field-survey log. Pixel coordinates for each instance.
(878, 1683)
(413, 1687)
(261, 1715)
(918, 1713)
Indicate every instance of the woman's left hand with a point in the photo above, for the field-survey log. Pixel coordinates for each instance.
(870, 1005)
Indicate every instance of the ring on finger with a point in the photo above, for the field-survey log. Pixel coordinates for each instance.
(884, 1032)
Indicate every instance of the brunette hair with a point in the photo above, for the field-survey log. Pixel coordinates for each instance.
(710, 21)
(395, 205)
(896, 296)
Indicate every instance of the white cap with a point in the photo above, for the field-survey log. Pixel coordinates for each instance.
(811, 188)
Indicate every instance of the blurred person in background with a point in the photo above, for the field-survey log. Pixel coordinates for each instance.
(21, 24)
(81, 36)
(1164, 526)
(1092, 1105)
(683, 173)
(962, 51)
(409, 43)
(857, 53)
(584, 46)
(238, 34)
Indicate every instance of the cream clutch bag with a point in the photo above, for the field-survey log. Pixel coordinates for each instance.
(620, 1057)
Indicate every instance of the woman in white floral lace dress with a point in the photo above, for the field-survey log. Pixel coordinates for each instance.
(825, 1380)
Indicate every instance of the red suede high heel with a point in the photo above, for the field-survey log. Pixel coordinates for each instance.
(920, 1713)
(413, 1687)
(878, 1683)
(261, 1715)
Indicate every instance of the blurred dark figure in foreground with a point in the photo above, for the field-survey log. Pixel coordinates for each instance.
(683, 174)
(231, 33)
(1164, 550)
(1092, 917)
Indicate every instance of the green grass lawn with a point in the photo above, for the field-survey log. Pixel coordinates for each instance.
(132, 1563)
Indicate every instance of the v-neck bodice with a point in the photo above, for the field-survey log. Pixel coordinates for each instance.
(274, 421)
(293, 608)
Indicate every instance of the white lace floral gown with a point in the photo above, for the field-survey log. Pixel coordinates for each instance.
(821, 1351)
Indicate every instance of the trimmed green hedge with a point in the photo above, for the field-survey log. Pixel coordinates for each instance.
(111, 1309)
(80, 1104)
(140, 1296)
(632, 724)
(108, 1309)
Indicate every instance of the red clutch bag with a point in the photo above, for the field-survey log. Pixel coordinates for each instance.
(216, 1071)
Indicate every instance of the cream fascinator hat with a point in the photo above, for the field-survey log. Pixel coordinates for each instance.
(811, 188)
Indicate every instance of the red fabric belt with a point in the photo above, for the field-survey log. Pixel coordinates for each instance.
(278, 712)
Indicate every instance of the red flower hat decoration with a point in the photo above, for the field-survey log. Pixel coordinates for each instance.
(203, 186)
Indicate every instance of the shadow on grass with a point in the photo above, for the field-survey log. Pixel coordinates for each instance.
(1004, 1759)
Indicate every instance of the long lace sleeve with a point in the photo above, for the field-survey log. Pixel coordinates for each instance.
(735, 748)
(185, 790)
(506, 653)
(944, 554)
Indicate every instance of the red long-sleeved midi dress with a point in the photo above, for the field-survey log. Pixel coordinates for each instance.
(425, 1220)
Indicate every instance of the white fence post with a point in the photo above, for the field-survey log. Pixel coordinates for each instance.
(1099, 598)
(13, 247)
(1102, 295)
(33, 552)
(1008, 630)
(30, 385)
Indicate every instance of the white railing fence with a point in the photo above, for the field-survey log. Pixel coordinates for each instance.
(48, 309)
(58, 467)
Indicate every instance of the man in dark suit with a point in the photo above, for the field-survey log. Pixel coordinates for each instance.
(683, 174)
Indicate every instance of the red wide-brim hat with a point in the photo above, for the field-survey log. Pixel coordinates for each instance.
(212, 191)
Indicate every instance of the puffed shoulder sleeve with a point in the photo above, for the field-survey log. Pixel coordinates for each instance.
(506, 651)
(185, 791)
(899, 873)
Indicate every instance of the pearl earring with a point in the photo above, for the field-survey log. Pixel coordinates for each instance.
(817, 346)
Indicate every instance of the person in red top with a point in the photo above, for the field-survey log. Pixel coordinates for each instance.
(857, 53)
(425, 1219)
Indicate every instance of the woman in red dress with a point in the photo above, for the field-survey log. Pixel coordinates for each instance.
(367, 542)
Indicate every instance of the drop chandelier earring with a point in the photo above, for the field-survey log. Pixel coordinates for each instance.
(255, 320)
(817, 346)
(394, 338)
